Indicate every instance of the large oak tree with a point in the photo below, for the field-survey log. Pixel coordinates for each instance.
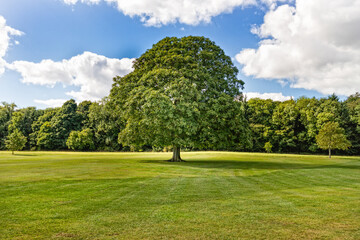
(182, 93)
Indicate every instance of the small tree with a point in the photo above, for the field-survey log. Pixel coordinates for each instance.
(331, 136)
(268, 147)
(15, 141)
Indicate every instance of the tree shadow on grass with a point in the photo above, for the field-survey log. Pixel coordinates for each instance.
(233, 164)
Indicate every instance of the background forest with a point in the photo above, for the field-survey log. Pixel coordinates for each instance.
(283, 127)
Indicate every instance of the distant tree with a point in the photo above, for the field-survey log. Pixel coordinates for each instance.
(308, 129)
(16, 141)
(80, 140)
(54, 127)
(105, 123)
(286, 126)
(65, 120)
(259, 114)
(23, 119)
(268, 147)
(329, 110)
(83, 110)
(45, 136)
(6, 111)
(44, 116)
(182, 93)
(353, 125)
(331, 136)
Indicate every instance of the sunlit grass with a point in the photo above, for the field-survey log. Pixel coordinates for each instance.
(213, 195)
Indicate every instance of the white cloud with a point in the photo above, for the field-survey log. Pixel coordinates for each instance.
(91, 72)
(192, 12)
(163, 12)
(51, 102)
(6, 33)
(314, 45)
(273, 96)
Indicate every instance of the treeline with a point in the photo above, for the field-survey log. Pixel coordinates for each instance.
(292, 126)
(284, 127)
(88, 126)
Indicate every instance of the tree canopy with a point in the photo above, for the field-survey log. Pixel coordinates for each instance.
(182, 93)
(16, 141)
(331, 136)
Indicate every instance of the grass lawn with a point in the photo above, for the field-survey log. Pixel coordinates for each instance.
(214, 195)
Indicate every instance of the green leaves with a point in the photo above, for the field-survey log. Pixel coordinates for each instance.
(181, 93)
(80, 140)
(15, 141)
(331, 136)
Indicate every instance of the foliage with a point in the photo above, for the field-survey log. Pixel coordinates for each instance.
(268, 147)
(16, 141)
(105, 124)
(45, 116)
(65, 120)
(6, 111)
(80, 140)
(259, 114)
(23, 119)
(181, 93)
(290, 126)
(83, 110)
(53, 128)
(285, 125)
(331, 136)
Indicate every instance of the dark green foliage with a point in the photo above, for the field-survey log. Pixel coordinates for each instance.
(259, 113)
(54, 133)
(83, 110)
(352, 104)
(105, 124)
(285, 125)
(307, 119)
(66, 120)
(23, 119)
(6, 111)
(45, 116)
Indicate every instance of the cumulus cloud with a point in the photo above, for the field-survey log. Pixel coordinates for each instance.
(6, 33)
(91, 72)
(191, 12)
(313, 45)
(273, 96)
(51, 102)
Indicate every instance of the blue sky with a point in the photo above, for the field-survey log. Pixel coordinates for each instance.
(57, 30)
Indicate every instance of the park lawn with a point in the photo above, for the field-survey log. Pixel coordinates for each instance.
(214, 195)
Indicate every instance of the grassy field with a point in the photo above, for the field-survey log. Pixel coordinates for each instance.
(214, 195)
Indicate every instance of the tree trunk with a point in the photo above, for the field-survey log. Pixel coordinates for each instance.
(329, 152)
(176, 155)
